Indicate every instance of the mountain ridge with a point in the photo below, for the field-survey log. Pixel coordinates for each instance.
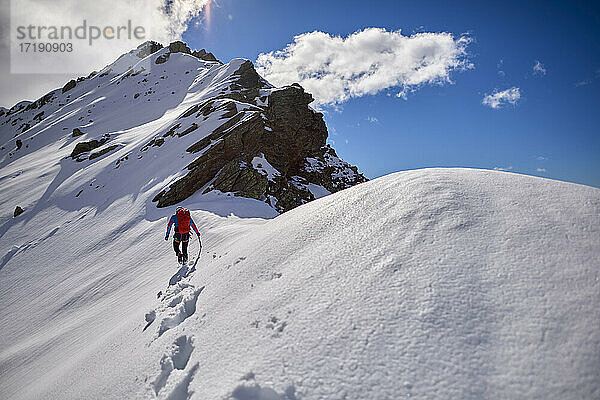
(235, 126)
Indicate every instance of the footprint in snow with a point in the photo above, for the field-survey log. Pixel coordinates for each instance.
(177, 305)
(181, 273)
(177, 357)
(253, 391)
(273, 325)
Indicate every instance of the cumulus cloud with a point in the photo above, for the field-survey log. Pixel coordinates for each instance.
(335, 69)
(541, 170)
(373, 120)
(538, 68)
(503, 168)
(498, 99)
(163, 20)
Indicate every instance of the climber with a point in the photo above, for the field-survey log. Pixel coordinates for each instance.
(182, 220)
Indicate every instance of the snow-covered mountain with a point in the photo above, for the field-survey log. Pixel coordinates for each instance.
(182, 122)
(428, 284)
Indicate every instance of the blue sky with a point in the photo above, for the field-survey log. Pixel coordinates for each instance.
(551, 131)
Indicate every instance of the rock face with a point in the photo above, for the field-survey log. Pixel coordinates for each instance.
(70, 85)
(18, 211)
(272, 148)
(81, 148)
(180, 47)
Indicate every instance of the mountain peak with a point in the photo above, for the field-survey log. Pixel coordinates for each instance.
(186, 122)
(147, 48)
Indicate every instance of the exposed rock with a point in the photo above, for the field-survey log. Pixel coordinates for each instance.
(179, 47)
(156, 142)
(241, 179)
(326, 169)
(83, 147)
(246, 87)
(38, 117)
(103, 151)
(18, 211)
(288, 138)
(190, 111)
(161, 59)
(171, 131)
(147, 48)
(203, 55)
(192, 128)
(248, 77)
(20, 106)
(77, 132)
(70, 85)
(19, 143)
(48, 97)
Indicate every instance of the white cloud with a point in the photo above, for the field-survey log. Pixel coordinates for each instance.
(373, 120)
(166, 21)
(497, 99)
(541, 170)
(334, 69)
(541, 158)
(503, 169)
(538, 68)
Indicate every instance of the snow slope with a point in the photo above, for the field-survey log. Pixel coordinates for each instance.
(437, 284)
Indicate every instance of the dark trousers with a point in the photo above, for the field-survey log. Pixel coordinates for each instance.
(184, 239)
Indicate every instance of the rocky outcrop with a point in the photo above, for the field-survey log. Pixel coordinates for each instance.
(276, 152)
(147, 48)
(77, 132)
(103, 151)
(181, 47)
(84, 147)
(204, 55)
(18, 211)
(70, 85)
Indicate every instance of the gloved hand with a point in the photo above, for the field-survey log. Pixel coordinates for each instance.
(167, 237)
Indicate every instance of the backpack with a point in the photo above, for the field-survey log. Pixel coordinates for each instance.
(183, 220)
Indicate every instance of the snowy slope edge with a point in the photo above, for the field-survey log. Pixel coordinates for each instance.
(439, 283)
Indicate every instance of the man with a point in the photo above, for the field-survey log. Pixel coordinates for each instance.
(182, 220)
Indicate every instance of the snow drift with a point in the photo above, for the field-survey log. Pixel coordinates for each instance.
(439, 283)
